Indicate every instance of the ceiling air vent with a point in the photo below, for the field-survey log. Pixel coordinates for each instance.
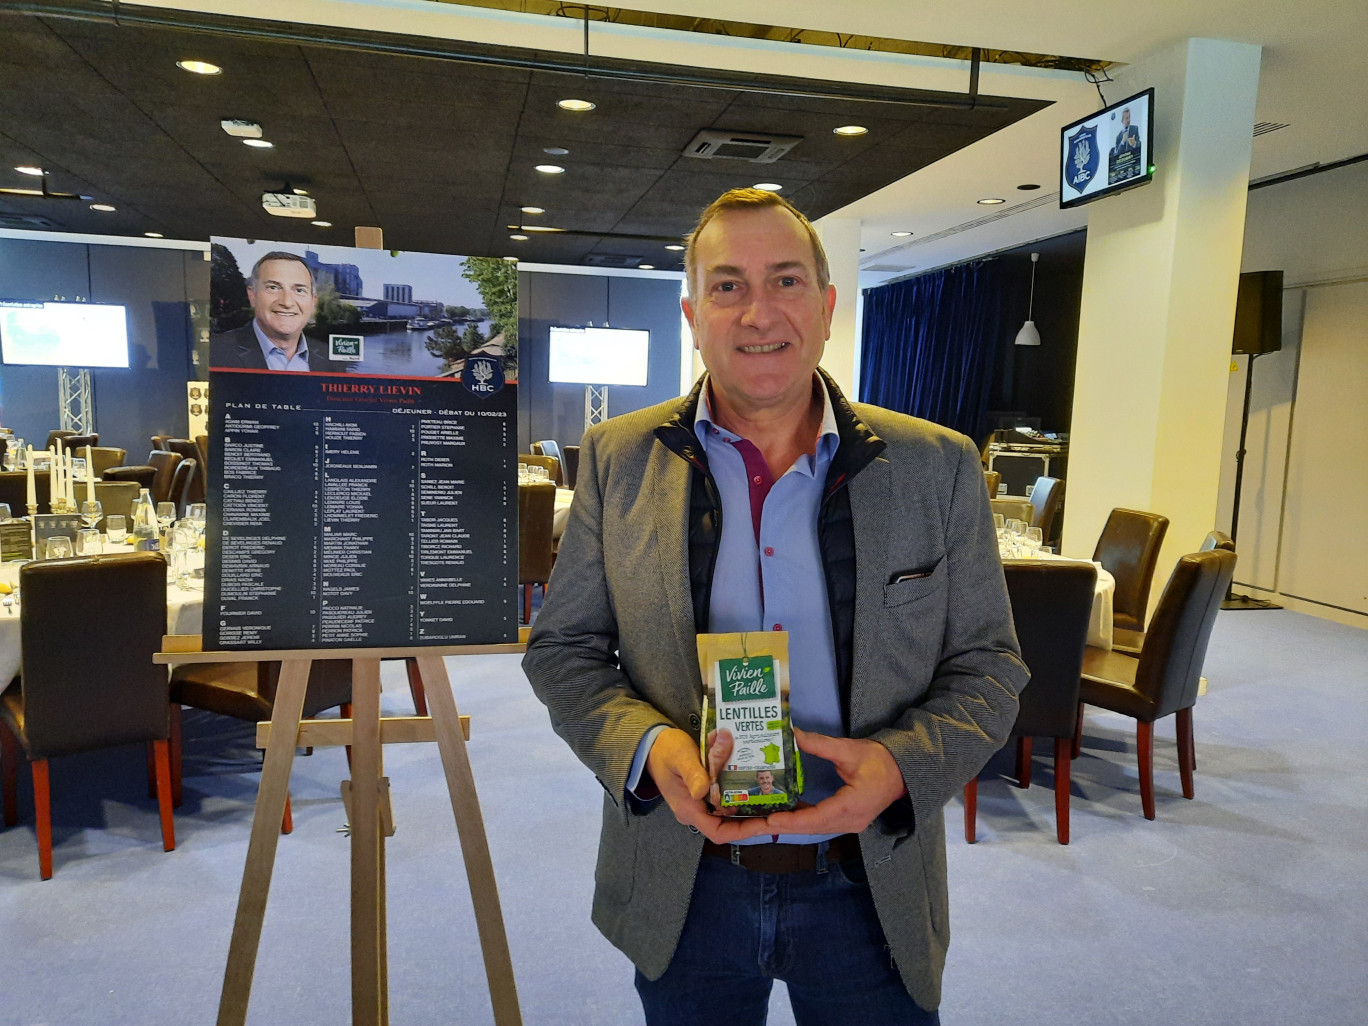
(757, 147)
(1264, 127)
(612, 260)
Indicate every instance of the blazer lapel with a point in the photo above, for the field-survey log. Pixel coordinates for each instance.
(667, 480)
(871, 508)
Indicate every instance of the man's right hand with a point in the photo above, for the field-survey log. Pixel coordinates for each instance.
(677, 769)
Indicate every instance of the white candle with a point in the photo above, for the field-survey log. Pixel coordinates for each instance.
(90, 476)
(54, 475)
(69, 479)
(32, 490)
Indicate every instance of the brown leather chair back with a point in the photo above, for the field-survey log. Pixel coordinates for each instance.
(63, 435)
(14, 493)
(166, 462)
(144, 476)
(105, 690)
(79, 442)
(1176, 642)
(184, 446)
(547, 447)
(551, 464)
(1128, 548)
(570, 465)
(183, 485)
(1051, 606)
(102, 457)
(117, 497)
(536, 510)
(202, 448)
(994, 481)
(1218, 540)
(159, 442)
(1045, 498)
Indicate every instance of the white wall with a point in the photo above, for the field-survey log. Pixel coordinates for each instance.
(1305, 483)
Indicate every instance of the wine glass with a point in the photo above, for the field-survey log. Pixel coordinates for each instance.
(1017, 531)
(197, 513)
(91, 512)
(59, 547)
(181, 540)
(1035, 541)
(166, 516)
(116, 528)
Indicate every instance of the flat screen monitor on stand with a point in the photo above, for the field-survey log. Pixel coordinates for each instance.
(597, 358)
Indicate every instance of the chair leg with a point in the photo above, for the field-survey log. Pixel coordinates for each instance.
(287, 821)
(175, 746)
(971, 811)
(1023, 762)
(1078, 734)
(1144, 753)
(161, 753)
(1185, 750)
(1062, 746)
(9, 772)
(415, 679)
(42, 807)
(345, 711)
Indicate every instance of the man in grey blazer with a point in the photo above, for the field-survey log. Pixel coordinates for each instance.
(283, 296)
(766, 500)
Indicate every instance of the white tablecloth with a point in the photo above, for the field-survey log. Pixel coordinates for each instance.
(1100, 623)
(184, 615)
(564, 496)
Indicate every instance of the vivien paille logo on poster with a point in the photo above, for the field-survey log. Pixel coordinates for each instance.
(745, 680)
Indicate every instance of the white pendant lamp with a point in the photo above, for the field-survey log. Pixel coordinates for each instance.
(1028, 336)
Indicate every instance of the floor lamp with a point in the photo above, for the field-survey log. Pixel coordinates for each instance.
(1233, 601)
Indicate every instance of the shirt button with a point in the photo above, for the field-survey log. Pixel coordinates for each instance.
(778, 626)
(769, 550)
(756, 479)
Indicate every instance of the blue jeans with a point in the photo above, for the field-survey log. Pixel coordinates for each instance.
(816, 931)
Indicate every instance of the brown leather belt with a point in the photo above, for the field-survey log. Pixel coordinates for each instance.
(784, 858)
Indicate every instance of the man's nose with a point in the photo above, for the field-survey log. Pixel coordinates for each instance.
(758, 311)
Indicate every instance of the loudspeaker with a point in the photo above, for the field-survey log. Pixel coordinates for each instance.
(1258, 313)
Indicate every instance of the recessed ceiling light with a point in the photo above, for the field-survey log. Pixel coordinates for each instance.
(900, 235)
(551, 169)
(676, 248)
(1029, 186)
(154, 235)
(851, 130)
(511, 260)
(557, 151)
(260, 144)
(768, 186)
(990, 201)
(199, 67)
(646, 267)
(535, 228)
(532, 210)
(104, 208)
(576, 105)
(30, 169)
(518, 238)
(321, 224)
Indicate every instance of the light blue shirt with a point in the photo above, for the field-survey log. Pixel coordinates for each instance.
(777, 583)
(275, 356)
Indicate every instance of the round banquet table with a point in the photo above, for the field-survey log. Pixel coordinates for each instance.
(184, 615)
(1100, 622)
(564, 496)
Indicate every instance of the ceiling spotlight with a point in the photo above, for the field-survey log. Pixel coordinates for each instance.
(532, 210)
(518, 238)
(676, 248)
(556, 151)
(260, 144)
(154, 235)
(991, 201)
(550, 169)
(851, 130)
(1028, 187)
(300, 192)
(199, 67)
(645, 267)
(534, 228)
(768, 186)
(511, 260)
(104, 208)
(30, 169)
(321, 224)
(900, 235)
(576, 105)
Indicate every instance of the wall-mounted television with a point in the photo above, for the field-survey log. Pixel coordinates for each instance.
(63, 334)
(600, 356)
(1107, 152)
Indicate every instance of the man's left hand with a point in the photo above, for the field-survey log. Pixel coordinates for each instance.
(872, 783)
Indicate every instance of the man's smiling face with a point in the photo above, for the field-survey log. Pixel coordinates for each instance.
(759, 316)
(283, 299)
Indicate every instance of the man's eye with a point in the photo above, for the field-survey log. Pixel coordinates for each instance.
(726, 286)
(788, 281)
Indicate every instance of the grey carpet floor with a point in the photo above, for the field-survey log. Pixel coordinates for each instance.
(1246, 905)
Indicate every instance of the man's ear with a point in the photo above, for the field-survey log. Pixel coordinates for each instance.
(686, 304)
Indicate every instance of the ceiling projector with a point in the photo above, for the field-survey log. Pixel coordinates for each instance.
(287, 204)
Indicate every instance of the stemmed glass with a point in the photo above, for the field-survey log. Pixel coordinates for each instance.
(197, 513)
(91, 512)
(1035, 541)
(179, 541)
(166, 516)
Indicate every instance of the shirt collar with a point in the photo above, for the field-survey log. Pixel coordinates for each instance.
(828, 436)
(301, 352)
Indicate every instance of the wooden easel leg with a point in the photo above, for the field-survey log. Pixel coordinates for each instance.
(367, 861)
(256, 874)
(465, 803)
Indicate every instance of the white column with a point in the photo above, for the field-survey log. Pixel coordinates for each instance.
(841, 240)
(1158, 310)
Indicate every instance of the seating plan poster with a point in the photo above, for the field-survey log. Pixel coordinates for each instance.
(349, 511)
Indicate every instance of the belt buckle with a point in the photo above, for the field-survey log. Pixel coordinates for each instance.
(735, 854)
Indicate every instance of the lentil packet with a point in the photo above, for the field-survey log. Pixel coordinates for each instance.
(746, 740)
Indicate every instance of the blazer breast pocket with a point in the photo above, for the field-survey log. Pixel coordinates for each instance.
(914, 584)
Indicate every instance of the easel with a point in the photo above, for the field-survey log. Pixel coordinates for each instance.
(367, 794)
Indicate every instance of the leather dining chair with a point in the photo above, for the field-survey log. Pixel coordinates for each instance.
(103, 692)
(551, 464)
(116, 498)
(994, 482)
(1164, 680)
(184, 447)
(77, 442)
(159, 442)
(183, 485)
(1217, 540)
(14, 493)
(570, 464)
(1045, 497)
(1128, 549)
(165, 463)
(1051, 606)
(547, 447)
(202, 450)
(102, 457)
(63, 434)
(143, 476)
(536, 513)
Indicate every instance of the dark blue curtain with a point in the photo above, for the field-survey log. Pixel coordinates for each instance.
(930, 343)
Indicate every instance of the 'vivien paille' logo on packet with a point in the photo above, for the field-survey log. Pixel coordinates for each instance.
(748, 679)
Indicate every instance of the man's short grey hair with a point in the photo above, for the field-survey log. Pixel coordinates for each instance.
(280, 254)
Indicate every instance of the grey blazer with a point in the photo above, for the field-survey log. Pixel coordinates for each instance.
(935, 675)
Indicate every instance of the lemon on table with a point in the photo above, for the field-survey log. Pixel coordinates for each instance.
(5, 589)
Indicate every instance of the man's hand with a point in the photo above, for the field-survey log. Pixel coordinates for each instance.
(720, 745)
(676, 769)
(872, 783)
